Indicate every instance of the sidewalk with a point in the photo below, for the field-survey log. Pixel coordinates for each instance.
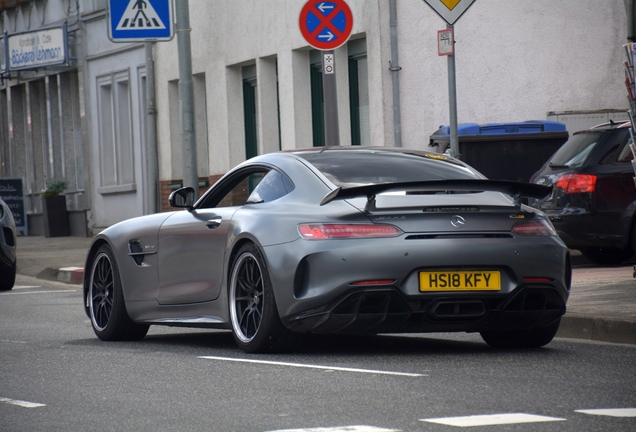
(602, 303)
(59, 258)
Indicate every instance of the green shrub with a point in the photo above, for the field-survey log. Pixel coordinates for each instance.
(55, 188)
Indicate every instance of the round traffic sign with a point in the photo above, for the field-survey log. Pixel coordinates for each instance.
(326, 24)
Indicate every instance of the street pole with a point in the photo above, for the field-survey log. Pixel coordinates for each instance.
(452, 104)
(152, 158)
(330, 99)
(395, 77)
(186, 96)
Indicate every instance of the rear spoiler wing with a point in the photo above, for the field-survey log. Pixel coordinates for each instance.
(515, 189)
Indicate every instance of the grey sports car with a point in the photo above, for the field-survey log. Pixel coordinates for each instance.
(7, 248)
(358, 240)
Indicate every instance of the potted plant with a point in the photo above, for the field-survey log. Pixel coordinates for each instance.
(54, 209)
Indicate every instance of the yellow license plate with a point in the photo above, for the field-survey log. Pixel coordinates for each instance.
(474, 280)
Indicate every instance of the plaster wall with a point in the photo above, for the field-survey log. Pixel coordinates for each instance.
(515, 60)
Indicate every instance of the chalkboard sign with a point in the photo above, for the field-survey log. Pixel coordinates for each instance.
(12, 193)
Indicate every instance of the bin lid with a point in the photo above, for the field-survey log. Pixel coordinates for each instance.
(526, 127)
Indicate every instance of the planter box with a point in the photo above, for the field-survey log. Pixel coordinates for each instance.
(55, 216)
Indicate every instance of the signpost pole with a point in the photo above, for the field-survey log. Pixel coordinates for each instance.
(152, 156)
(186, 97)
(450, 11)
(330, 98)
(452, 104)
(326, 25)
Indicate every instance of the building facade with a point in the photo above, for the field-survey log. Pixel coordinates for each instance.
(258, 88)
(258, 82)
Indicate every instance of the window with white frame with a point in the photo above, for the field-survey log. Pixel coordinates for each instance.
(115, 133)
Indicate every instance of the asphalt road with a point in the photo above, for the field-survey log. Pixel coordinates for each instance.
(56, 375)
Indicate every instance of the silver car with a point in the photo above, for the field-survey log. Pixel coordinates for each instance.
(7, 248)
(358, 240)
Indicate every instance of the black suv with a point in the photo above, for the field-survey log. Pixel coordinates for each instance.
(593, 202)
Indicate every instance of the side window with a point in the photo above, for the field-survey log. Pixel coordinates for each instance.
(249, 188)
(626, 153)
(620, 151)
(609, 156)
(273, 186)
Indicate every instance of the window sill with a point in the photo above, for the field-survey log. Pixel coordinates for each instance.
(119, 189)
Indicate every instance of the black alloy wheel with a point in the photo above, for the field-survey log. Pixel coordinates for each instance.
(255, 322)
(107, 308)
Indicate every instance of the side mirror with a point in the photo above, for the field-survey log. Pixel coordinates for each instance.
(182, 198)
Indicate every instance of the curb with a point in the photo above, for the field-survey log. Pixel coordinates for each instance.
(71, 275)
(598, 329)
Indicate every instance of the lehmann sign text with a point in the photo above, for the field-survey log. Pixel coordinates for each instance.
(36, 49)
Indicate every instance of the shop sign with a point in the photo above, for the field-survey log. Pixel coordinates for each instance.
(35, 49)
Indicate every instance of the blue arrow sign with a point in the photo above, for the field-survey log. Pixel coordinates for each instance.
(140, 20)
(326, 24)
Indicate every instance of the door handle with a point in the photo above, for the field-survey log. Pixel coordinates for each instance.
(214, 222)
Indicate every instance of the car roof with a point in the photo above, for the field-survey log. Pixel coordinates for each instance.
(374, 149)
(613, 125)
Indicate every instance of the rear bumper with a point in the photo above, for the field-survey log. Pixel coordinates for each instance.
(387, 310)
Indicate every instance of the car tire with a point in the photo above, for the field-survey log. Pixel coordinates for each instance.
(256, 325)
(607, 256)
(525, 338)
(7, 277)
(107, 307)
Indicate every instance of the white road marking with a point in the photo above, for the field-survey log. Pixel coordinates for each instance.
(300, 365)
(15, 287)
(12, 341)
(490, 420)
(23, 404)
(36, 292)
(612, 412)
(340, 429)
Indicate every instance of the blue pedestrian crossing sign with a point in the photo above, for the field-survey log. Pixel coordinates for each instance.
(140, 20)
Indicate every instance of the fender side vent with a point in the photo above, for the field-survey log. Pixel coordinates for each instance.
(136, 252)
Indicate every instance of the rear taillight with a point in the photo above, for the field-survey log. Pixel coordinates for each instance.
(576, 183)
(534, 228)
(317, 231)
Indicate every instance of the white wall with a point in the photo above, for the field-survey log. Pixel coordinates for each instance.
(516, 60)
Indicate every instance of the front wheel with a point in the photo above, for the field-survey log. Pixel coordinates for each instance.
(526, 338)
(255, 322)
(107, 308)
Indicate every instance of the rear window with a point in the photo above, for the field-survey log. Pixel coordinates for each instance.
(352, 168)
(626, 154)
(574, 152)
